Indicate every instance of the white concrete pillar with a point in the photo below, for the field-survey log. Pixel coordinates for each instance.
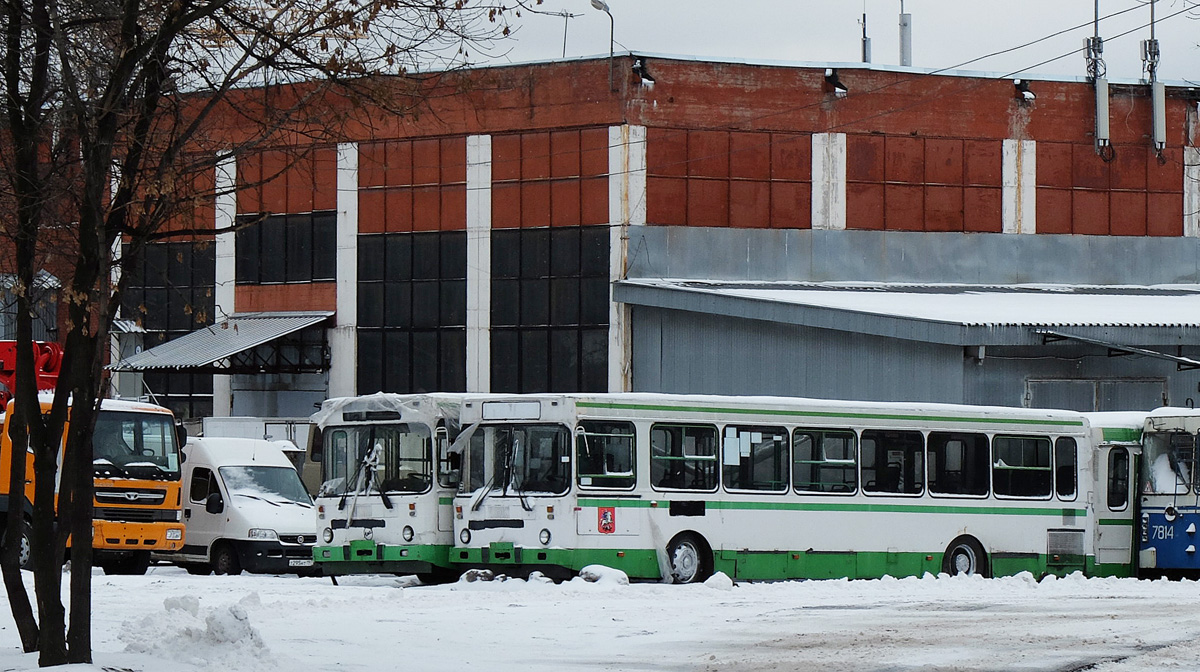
(479, 263)
(1019, 192)
(343, 337)
(829, 181)
(1191, 191)
(225, 273)
(626, 208)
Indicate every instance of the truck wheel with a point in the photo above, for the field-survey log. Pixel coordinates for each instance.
(25, 550)
(225, 560)
(134, 565)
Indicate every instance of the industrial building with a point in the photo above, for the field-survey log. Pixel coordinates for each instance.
(652, 223)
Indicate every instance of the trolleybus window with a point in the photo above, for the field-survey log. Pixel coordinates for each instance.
(892, 461)
(1170, 459)
(374, 458)
(520, 460)
(1118, 479)
(1021, 466)
(958, 463)
(605, 451)
(825, 460)
(755, 458)
(683, 457)
(1066, 467)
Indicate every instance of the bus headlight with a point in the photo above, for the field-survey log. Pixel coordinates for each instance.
(544, 537)
(368, 533)
(465, 536)
(327, 535)
(407, 533)
(174, 535)
(262, 534)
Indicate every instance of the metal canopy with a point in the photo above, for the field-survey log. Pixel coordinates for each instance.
(1117, 350)
(244, 343)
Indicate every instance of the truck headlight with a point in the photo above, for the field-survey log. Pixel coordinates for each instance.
(174, 535)
(262, 534)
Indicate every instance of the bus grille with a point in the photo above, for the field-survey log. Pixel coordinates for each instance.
(1064, 542)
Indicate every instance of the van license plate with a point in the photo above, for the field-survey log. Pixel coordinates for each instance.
(300, 562)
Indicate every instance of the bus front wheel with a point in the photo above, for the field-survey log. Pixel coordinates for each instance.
(689, 559)
(965, 555)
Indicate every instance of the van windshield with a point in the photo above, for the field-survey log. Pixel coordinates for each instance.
(274, 484)
(135, 445)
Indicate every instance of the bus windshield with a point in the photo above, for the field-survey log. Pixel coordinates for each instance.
(377, 458)
(1170, 459)
(135, 445)
(520, 459)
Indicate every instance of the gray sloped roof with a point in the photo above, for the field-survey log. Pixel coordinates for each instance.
(207, 346)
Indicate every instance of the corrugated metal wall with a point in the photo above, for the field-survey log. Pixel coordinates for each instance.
(677, 351)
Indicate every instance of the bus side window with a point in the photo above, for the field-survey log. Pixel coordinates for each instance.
(892, 461)
(1118, 479)
(1065, 467)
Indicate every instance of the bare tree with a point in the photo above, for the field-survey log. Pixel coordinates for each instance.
(114, 113)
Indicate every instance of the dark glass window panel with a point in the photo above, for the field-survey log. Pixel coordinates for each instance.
(535, 302)
(593, 367)
(535, 253)
(397, 303)
(425, 361)
(204, 264)
(135, 273)
(156, 265)
(370, 304)
(179, 264)
(156, 309)
(396, 347)
(370, 361)
(324, 245)
(131, 303)
(201, 384)
(425, 308)
(564, 360)
(453, 376)
(246, 258)
(454, 255)
(535, 354)
(203, 307)
(593, 301)
(506, 302)
(399, 262)
(594, 252)
(273, 251)
(564, 301)
(179, 317)
(298, 237)
(426, 253)
(506, 253)
(454, 303)
(505, 361)
(564, 251)
(370, 258)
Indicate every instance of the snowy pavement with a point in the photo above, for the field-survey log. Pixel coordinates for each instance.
(169, 620)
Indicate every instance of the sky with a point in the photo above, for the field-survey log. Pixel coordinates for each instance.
(946, 33)
(170, 621)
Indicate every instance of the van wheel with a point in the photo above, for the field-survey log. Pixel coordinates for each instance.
(965, 556)
(689, 559)
(225, 560)
(25, 550)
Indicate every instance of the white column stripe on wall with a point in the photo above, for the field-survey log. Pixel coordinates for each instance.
(626, 207)
(829, 180)
(1019, 191)
(1191, 191)
(479, 262)
(225, 273)
(343, 340)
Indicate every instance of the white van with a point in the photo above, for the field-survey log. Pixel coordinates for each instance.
(245, 508)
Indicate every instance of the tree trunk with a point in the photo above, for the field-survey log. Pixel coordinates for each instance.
(14, 583)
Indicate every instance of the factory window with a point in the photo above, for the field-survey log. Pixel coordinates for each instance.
(287, 248)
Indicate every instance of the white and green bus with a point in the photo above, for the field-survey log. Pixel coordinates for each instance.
(677, 487)
(388, 477)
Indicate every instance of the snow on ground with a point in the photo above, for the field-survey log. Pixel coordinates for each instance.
(171, 621)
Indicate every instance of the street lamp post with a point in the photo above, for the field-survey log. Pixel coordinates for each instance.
(603, 6)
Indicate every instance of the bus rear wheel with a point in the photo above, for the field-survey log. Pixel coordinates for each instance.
(689, 559)
(966, 556)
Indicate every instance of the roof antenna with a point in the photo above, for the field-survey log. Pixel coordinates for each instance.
(1094, 48)
(866, 41)
(905, 37)
(1158, 91)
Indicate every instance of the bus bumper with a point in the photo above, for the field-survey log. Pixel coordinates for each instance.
(364, 556)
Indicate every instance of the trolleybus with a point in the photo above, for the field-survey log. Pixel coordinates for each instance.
(1169, 493)
(387, 482)
(676, 487)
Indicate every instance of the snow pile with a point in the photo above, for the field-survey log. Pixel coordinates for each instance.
(220, 636)
(719, 581)
(604, 575)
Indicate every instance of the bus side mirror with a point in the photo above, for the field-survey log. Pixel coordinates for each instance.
(214, 504)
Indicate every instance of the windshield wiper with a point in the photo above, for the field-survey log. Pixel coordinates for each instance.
(261, 499)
